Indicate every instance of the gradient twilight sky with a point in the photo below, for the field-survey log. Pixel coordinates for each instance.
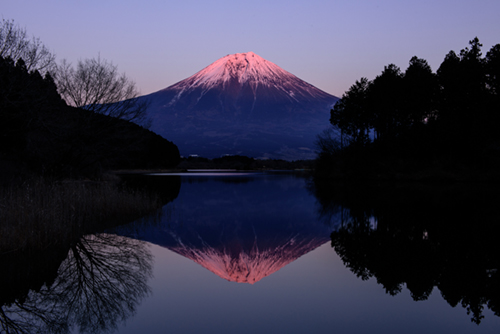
(328, 43)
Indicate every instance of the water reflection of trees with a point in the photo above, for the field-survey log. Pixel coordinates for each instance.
(98, 285)
(423, 237)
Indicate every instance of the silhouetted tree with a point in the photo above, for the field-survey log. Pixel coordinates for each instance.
(420, 92)
(97, 86)
(493, 82)
(24, 97)
(493, 69)
(351, 113)
(385, 101)
(328, 142)
(463, 87)
(15, 44)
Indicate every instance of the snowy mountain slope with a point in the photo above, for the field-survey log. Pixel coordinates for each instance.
(247, 70)
(242, 104)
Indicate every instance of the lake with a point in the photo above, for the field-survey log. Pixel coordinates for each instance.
(252, 253)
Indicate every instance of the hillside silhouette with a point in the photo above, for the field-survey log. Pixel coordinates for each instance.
(41, 135)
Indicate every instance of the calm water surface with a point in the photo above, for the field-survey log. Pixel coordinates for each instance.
(252, 253)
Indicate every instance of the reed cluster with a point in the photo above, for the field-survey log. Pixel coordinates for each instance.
(40, 214)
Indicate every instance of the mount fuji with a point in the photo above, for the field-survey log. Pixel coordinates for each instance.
(242, 104)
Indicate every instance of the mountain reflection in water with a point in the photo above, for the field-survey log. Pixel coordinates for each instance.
(424, 240)
(241, 234)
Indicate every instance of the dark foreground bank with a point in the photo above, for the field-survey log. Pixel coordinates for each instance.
(40, 214)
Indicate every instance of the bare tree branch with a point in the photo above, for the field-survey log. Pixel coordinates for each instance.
(15, 43)
(97, 86)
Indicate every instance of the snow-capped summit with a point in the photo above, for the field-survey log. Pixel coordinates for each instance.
(242, 104)
(240, 66)
(239, 71)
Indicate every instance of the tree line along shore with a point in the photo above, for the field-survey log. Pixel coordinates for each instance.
(419, 125)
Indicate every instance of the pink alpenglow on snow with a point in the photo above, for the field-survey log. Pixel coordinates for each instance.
(242, 104)
(249, 266)
(251, 69)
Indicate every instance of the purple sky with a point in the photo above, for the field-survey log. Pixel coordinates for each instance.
(328, 43)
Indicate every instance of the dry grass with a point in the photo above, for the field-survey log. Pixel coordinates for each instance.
(41, 214)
